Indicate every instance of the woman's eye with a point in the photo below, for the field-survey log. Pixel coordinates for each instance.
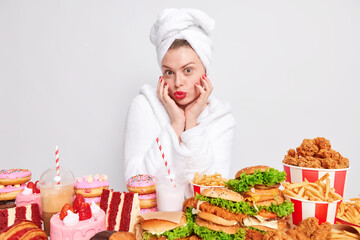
(188, 70)
(168, 72)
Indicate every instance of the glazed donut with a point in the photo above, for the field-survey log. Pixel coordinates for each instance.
(9, 192)
(146, 210)
(90, 186)
(147, 200)
(14, 176)
(141, 184)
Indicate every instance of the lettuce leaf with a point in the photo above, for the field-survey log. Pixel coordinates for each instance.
(179, 232)
(208, 234)
(245, 182)
(281, 210)
(256, 229)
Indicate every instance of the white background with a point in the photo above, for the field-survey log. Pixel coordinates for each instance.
(69, 70)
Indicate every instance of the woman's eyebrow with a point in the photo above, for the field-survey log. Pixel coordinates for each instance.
(187, 64)
(164, 66)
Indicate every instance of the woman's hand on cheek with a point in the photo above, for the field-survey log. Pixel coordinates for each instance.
(193, 110)
(176, 114)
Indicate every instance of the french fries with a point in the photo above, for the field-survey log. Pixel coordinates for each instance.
(317, 191)
(350, 211)
(343, 234)
(209, 180)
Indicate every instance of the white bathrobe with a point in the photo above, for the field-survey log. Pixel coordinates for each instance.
(205, 148)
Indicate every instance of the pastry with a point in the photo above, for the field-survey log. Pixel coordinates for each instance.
(24, 230)
(78, 223)
(90, 186)
(122, 210)
(141, 184)
(11, 215)
(30, 194)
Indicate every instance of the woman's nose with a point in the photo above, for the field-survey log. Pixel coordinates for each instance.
(179, 80)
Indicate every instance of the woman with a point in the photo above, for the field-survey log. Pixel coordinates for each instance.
(195, 130)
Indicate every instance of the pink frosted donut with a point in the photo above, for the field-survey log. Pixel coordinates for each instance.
(147, 200)
(146, 210)
(141, 184)
(14, 176)
(9, 192)
(90, 186)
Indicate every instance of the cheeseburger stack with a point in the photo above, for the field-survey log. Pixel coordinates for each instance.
(259, 185)
(215, 218)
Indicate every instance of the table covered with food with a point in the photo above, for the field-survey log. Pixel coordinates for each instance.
(304, 200)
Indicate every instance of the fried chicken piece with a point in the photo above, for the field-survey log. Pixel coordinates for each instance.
(311, 228)
(310, 162)
(292, 153)
(277, 235)
(343, 163)
(296, 235)
(189, 203)
(207, 207)
(307, 148)
(308, 226)
(323, 232)
(322, 143)
(329, 163)
(291, 160)
(253, 235)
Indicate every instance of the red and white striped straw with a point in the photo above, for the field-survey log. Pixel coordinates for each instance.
(166, 162)
(57, 164)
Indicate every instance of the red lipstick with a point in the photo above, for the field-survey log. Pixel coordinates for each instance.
(179, 94)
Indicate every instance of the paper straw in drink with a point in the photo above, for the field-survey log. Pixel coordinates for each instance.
(57, 165)
(171, 175)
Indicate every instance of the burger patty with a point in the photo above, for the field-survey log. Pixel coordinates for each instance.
(263, 186)
(223, 213)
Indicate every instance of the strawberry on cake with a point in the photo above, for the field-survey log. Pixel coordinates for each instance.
(80, 221)
(31, 194)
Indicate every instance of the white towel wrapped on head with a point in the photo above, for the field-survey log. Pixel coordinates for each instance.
(189, 24)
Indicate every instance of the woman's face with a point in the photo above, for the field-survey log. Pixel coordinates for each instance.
(182, 69)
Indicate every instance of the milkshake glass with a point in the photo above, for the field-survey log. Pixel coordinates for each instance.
(170, 197)
(56, 191)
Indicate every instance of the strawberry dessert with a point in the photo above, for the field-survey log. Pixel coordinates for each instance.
(80, 221)
(31, 194)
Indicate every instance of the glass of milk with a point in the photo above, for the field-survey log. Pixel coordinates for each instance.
(170, 198)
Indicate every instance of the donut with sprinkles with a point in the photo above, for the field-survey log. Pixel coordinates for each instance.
(141, 184)
(12, 182)
(14, 176)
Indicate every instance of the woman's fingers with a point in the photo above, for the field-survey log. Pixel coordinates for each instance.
(207, 84)
(160, 89)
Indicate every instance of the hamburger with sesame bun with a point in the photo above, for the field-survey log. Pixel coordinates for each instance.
(154, 229)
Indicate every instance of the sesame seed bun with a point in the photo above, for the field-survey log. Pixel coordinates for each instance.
(251, 170)
(157, 225)
(223, 193)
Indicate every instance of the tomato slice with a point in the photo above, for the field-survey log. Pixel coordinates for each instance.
(266, 214)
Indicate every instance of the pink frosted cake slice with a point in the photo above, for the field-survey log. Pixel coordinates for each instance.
(122, 210)
(82, 230)
(24, 199)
